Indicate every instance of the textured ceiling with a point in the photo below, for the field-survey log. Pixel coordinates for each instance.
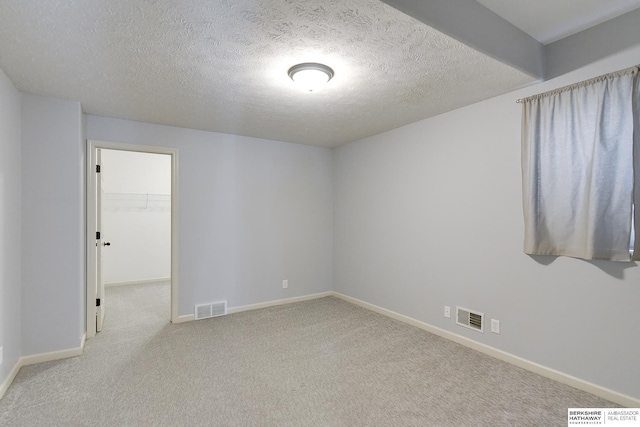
(550, 20)
(222, 65)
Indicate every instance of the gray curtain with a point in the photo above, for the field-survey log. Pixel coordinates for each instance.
(578, 168)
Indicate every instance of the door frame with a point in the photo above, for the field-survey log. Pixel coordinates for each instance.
(91, 266)
(99, 255)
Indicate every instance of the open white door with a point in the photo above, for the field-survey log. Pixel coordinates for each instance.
(100, 244)
(95, 286)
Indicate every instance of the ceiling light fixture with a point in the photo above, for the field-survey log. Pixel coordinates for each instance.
(311, 76)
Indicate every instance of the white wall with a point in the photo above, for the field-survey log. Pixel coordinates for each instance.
(10, 226)
(252, 212)
(53, 225)
(430, 214)
(136, 216)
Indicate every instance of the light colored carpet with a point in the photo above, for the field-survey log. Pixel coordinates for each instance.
(323, 362)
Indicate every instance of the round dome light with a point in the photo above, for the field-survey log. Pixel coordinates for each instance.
(311, 76)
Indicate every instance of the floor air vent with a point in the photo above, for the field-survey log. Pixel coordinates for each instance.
(214, 309)
(470, 319)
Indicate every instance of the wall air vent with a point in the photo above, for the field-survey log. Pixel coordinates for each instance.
(470, 319)
(214, 309)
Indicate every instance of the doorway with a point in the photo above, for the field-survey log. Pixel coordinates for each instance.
(120, 211)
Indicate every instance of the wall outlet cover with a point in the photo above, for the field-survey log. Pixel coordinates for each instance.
(447, 311)
(495, 326)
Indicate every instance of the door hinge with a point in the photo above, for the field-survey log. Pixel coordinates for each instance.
(97, 168)
(97, 302)
(97, 235)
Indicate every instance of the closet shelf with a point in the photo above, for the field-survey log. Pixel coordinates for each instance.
(136, 196)
(135, 201)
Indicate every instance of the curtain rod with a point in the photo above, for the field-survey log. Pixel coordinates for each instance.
(633, 70)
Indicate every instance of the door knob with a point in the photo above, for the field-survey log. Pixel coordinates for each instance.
(106, 244)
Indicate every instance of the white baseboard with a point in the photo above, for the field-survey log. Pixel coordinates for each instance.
(186, 318)
(12, 375)
(54, 355)
(137, 282)
(191, 317)
(40, 358)
(277, 302)
(605, 393)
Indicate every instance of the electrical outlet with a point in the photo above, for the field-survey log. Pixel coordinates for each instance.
(495, 326)
(285, 284)
(447, 312)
